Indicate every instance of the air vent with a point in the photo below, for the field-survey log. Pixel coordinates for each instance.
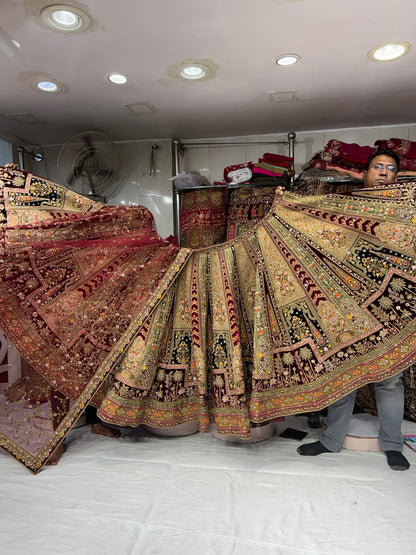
(23, 117)
(141, 107)
(283, 96)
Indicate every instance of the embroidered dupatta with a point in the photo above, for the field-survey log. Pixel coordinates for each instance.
(313, 302)
(77, 281)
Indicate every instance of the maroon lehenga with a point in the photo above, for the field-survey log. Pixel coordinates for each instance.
(317, 299)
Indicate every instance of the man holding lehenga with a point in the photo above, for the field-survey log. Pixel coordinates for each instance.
(380, 170)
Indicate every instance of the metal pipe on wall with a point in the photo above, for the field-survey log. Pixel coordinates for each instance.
(175, 192)
(20, 152)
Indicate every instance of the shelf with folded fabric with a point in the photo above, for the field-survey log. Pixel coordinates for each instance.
(269, 170)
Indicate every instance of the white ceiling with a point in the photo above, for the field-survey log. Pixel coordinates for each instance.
(335, 83)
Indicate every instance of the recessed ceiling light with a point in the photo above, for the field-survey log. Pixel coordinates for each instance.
(389, 51)
(193, 72)
(47, 86)
(287, 60)
(42, 82)
(65, 18)
(117, 78)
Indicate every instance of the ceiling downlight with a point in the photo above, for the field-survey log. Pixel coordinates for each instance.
(117, 78)
(65, 18)
(389, 51)
(193, 70)
(47, 84)
(287, 60)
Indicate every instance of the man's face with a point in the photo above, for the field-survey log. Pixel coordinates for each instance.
(382, 170)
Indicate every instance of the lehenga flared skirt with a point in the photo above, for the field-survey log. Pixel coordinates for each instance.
(316, 300)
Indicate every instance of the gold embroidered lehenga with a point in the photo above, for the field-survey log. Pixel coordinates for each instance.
(317, 299)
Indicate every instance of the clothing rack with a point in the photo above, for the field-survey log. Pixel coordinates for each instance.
(179, 146)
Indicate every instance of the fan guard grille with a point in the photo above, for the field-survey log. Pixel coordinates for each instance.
(89, 163)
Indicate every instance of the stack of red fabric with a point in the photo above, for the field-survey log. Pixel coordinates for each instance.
(406, 150)
(337, 154)
(271, 165)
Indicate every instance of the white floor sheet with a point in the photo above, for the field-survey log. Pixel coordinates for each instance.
(143, 494)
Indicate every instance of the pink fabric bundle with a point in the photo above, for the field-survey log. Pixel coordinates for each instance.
(262, 171)
(273, 165)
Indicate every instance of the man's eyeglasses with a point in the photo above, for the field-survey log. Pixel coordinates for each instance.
(389, 167)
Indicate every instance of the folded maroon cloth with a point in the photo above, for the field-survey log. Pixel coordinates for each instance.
(280, 163)
(404, 148)
(407, 164)
(352, 152)
(277, 157)
(406, 151)
(349, 156)
(353, 157)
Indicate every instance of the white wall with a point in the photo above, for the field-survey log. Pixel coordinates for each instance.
(155, 191)
(135, 184)
(6, 154)
(211, 160)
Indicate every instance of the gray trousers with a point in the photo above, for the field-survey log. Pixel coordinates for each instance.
(390, 407)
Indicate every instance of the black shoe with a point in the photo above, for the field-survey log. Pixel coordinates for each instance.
(314, 420)
(312, 449)
(396, 460)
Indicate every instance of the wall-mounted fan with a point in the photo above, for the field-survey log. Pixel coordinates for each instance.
(89, 163)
